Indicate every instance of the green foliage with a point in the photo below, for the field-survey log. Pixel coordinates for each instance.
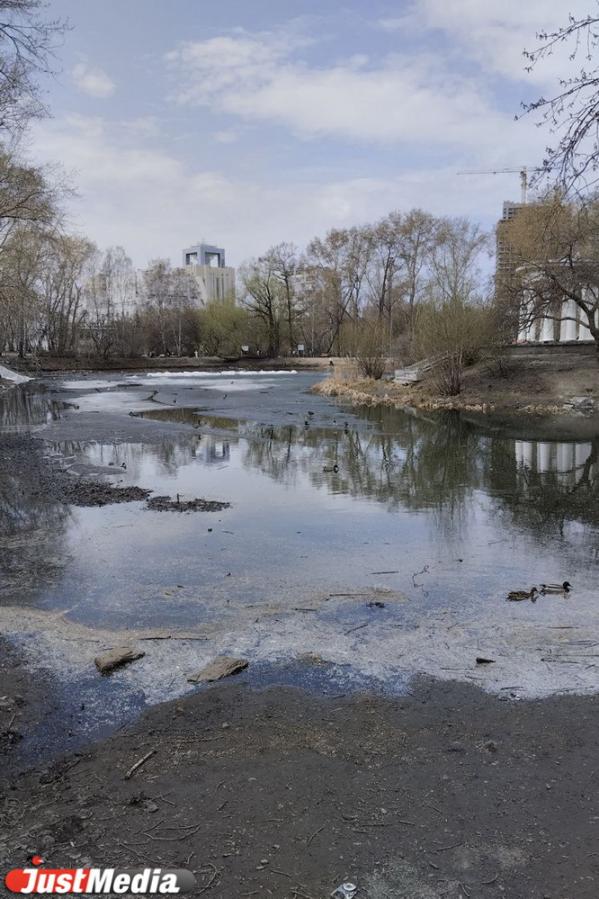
(223, 329)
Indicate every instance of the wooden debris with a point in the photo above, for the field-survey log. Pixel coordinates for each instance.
(138, 764)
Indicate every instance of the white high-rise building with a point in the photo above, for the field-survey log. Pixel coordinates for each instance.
(215, 279)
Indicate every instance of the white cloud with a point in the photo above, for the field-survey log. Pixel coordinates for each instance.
(397, 23)
(153, 204)
(406, 97)
(418, 102)
(398, 99)
(493, 34)
(227, 136)
(93, 81)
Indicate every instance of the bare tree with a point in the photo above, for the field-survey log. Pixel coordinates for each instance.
(28, 40)
(171, 307)
(455, 322)
(455, 257)
(65, 262)
(20, 268)
(338, 264)
(419, 235)
(385, 264)
(285, 258)
(157, 280)
(26, 195)
(572, 111)
(265, 297)
(452, 332)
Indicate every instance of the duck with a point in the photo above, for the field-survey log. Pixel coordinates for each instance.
(519, 595)
(556, 588)
(330, 468)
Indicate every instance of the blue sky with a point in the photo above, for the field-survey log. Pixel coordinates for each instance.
(250, 123)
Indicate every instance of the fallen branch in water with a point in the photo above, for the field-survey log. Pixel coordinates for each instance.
(357, 628)
(172, 637)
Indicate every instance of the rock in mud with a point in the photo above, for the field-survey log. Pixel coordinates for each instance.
(223, 666)
(114, 658)
(166, 504)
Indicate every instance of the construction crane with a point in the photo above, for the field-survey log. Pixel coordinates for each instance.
(523, 171)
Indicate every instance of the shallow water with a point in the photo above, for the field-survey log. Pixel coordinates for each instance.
(436, 517)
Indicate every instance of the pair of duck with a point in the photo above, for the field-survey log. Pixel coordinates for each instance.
(555, 589)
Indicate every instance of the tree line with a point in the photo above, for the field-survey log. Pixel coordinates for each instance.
(358, 289)
(407, 286)
(373, 284)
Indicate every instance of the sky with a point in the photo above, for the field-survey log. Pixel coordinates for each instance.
(247, 124)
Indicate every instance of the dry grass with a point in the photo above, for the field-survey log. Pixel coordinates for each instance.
(367, 392)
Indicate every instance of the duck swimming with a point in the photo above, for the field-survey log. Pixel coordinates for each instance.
(519, 595)
(556, 588)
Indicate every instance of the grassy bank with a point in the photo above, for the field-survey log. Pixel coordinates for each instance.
(551, 386)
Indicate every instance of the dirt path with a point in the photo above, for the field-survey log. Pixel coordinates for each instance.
(444, 793)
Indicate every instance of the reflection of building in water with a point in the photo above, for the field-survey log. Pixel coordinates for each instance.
(568, 460)
(216, 451)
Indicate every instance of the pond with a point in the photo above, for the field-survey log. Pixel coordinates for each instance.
(377, 544)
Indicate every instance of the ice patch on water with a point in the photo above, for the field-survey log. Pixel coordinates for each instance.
(225, 373)
(531, 661)
(9, 375)
(86, 384)
(236, 380)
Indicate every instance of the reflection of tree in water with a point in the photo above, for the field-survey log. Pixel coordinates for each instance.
(407, 461)
(32, 520)
(171, 453)
(23, 407)
(417, 462)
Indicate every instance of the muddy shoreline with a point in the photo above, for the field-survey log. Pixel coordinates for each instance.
(445, 792)
(364, 392)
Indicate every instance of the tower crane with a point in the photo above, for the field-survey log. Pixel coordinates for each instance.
(523, 171)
